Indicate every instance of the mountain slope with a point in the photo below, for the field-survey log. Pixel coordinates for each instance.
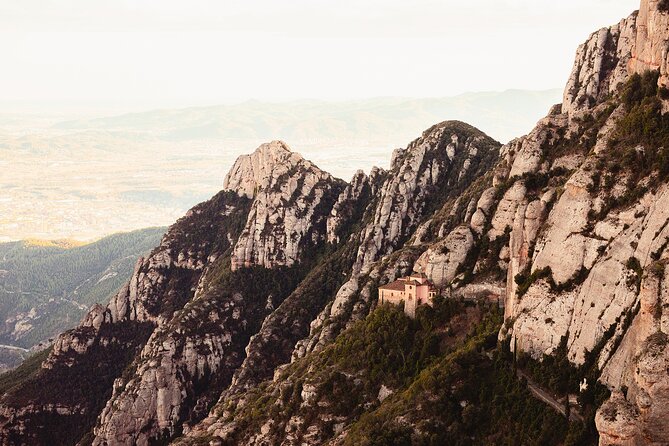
(203, 304)
(45, 290)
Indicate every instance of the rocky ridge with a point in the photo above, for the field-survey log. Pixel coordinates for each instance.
(570, 257)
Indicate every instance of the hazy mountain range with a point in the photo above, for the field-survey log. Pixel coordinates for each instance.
(503, 115)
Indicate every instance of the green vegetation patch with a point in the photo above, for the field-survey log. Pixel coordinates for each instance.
(470, 396)
(27, 369)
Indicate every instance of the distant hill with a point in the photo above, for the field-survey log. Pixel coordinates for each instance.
(502, 115)
(46, 288)
(61, 243)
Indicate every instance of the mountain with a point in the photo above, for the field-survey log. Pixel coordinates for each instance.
(47, 287)
(256, 318)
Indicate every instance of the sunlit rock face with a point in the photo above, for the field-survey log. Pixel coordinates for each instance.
(635, 45)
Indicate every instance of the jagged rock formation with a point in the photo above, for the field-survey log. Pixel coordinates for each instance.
(601, 64)
(215, 319)
(562, 244)
(290, 195)
(182, 366)
(635, 45)
(446, 157)
(442, 260)
(275, 343)
(431, 172)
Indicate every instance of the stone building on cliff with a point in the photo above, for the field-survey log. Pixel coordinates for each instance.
(414, 290)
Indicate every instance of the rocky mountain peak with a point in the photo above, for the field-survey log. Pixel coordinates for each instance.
(446, 156)
(291, 200)
(256, 170)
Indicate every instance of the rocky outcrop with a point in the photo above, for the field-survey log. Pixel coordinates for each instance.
(602, 63)
(351, 203)
(448, 156)
(291, 199)
(198, 350)
(258, 170)
(637, 44)
(440, 263)
(429, 174)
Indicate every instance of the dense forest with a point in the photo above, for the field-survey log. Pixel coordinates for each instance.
(45, 288)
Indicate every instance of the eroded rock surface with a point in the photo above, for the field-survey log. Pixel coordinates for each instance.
(291, 199)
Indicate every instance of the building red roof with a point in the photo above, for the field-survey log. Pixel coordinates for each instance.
(397, 285)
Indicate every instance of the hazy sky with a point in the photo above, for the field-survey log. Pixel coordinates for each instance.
(150, 53)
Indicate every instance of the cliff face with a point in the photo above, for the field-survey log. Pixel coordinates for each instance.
(635, 45)
(605, 239)
(238, 328)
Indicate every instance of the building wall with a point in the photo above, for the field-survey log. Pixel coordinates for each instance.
(423, 295)
(412, 300)
(393, 297)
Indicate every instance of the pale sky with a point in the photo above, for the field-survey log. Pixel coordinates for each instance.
(157, 53)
